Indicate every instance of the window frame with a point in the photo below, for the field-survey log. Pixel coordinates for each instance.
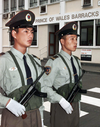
(87, 27)
(86, 5)
(21, 6)
(98, 26)
(33, 3)
(43, 2)
(54, 1)
(6, 6)
(40, 9)
(15, 5)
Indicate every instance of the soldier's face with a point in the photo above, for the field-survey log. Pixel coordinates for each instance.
(69, 44)
(24, 37)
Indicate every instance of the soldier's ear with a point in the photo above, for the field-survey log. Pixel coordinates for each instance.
(14, 34)
(62, 41)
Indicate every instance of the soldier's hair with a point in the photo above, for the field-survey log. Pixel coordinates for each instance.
(64, 37)
(16, 29)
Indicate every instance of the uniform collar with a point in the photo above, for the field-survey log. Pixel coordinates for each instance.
(65, 54)
(18, 53)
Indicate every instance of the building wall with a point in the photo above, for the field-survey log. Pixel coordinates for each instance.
(53, 9)
(73, 7)
(35, 11)
(57, 13)
(1, 26)
(41, 49)
(5, 37)
(95, 55)
(50, 10)
(76, 5)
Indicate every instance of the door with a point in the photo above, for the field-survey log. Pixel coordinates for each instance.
(51, 43)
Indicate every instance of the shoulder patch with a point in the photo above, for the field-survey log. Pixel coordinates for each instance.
(48, 70)
(54, 57)
(36, 57)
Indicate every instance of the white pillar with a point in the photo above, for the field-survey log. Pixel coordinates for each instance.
(1, 25)
(26, 4)
(62, 7)
(78, 32)
(62, 11)
(94, 33)
(61, 24)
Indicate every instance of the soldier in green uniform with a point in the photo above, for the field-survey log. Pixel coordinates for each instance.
(61, 77)
(14, 76)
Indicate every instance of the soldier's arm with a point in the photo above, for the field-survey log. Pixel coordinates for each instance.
(49, 81)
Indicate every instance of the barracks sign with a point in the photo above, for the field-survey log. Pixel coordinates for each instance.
(93, 14)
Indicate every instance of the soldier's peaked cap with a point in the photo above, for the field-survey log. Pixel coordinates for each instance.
(22, 19)
(69, 28)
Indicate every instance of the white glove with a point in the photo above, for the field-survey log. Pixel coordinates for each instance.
(66, 106)
(16, 108)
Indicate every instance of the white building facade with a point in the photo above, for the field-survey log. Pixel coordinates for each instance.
(51, 15)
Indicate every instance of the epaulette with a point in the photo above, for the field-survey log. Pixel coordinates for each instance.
(54, 57)
(36, 57)
(76, 57)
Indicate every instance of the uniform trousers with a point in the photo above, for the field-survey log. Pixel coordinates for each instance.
(59, 118)
(33, 119)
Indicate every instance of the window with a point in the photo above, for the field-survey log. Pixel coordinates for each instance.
(43, 9)
(98, 33)
(86, 33)
(51, 1)
(12, 14)
(13, 5)
(21, 3)
(98, 36)
(87, 3)
(34, 43)
(43, 2)
(33, 3)
(6, 6)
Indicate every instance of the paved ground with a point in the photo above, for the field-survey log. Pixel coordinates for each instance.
(90, 103)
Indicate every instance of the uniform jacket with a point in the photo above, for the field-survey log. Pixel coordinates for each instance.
(9, 75)
(59, 75)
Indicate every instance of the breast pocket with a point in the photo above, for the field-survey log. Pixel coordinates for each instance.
(13, 80)
(63, 75)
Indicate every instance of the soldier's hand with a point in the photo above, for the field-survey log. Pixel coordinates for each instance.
(16, 108)
(66, 105)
